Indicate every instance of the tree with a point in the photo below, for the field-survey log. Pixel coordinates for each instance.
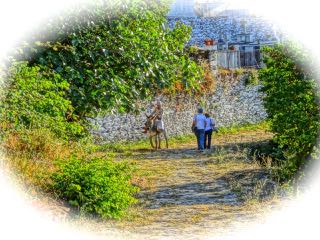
(113, 53)
(291, 102)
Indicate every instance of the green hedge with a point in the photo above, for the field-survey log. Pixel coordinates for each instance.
(291, 102)
(96, 186)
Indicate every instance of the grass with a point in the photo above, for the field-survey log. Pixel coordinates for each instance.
(125, 147)
(30, 155)
(236, 129)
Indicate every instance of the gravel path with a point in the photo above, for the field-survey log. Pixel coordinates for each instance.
(186, 194)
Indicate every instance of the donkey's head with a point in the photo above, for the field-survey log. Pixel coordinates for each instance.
(148, 123)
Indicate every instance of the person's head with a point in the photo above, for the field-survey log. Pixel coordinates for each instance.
(200, 110)
(159, 105)
(207, 115)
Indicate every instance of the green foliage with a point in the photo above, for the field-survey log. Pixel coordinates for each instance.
(239, 71)
(35, 98)
(97, 186)
(252, 77)
(291, 103)
(114, 52)
(235, 129)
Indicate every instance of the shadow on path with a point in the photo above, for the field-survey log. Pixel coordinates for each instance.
(218, 191)
(192, 194)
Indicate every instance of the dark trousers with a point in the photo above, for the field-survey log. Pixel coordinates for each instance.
(207, 141)
(200, 138)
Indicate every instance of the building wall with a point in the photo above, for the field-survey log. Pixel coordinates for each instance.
(233, 59)
(231, 103)
(228, 59)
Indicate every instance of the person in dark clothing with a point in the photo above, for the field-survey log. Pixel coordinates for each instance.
(199, 123)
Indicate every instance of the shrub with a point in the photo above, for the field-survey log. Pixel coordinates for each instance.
(96, 186)
(291, 103)
(36, 99)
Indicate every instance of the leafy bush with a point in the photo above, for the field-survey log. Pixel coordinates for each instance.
(96, 186)
(35, 98)
(291, 103)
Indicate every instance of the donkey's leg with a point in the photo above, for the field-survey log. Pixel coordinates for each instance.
(159, 136)
(156, 138)
(152, 142)
(165, 137)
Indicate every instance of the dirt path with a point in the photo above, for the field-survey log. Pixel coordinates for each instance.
(189, 193)
(186, 194)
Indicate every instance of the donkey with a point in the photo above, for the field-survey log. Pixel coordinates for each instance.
(154, 128)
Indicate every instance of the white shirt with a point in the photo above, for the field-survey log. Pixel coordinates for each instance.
(200, 120)
(210, 122)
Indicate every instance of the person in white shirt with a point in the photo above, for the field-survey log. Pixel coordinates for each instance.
(210, 125)
(199, 123)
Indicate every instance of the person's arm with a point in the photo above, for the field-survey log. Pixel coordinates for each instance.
(161, 113)
(153, 114)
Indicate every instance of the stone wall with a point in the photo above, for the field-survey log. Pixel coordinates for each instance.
(231, 103)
